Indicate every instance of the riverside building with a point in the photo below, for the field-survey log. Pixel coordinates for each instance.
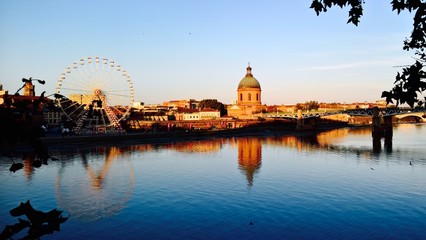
(249, 98)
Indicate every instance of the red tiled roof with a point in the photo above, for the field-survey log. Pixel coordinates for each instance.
(186, 110)
(209, 110)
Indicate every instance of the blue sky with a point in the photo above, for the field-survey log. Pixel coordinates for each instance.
(180, 49)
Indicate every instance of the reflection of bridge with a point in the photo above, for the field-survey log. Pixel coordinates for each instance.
(397, 112)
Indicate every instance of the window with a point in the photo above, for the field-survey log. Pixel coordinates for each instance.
(257, 96)
(249, 96)
(241, 97)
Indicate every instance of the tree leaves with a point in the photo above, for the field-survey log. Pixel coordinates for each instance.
(318, 7)
(355, 12)
(407, 85)
(212, 103)
(312, 105)
(398, 5)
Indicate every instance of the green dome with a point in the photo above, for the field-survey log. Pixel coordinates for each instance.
(249, 81)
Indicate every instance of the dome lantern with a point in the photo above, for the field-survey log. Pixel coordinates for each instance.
(249, 81)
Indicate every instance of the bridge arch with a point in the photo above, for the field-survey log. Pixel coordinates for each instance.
(419, 116)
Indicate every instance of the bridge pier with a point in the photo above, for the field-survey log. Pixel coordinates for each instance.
(381, 128)
(300, 121)
(305, 123)
(381, 125)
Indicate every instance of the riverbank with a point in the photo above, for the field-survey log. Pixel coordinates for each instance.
(166, 137)
(57, 141)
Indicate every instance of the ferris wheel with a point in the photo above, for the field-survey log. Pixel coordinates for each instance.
(95, 92)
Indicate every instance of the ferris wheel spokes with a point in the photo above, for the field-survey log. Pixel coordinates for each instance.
(73, 104)
(79, 107)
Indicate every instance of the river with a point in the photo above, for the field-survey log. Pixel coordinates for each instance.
(333, 185)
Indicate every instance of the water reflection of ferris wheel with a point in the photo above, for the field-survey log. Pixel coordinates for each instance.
(100, 188)
(95, 92)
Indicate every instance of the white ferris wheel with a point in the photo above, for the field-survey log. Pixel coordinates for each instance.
(95, 92)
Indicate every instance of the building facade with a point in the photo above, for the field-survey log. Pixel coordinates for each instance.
(249, 98)
(184, 103)
(209, 113)
(188, 114)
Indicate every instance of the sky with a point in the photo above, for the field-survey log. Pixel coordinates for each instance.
(182, 49)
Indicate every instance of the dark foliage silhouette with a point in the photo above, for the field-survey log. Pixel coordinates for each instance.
(16, 166)
(10, 230)
(214, 104)
(309, 105)
(39, 223)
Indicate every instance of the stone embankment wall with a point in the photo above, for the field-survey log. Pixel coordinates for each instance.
(353, 120)
(360, 120)
(337, 118)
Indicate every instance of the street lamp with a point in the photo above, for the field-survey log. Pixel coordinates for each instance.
(25, 81)
(57, 95)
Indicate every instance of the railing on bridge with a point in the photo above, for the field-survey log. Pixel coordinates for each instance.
(383, 111)
(352, 112)
(295, 115)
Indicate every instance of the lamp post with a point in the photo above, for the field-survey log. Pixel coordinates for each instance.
(29, 81)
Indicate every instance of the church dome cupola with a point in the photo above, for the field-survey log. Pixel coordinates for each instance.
(249, 81)
(249, 97)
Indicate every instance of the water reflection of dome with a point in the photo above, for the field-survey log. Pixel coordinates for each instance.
(249, 157)
(101, 188)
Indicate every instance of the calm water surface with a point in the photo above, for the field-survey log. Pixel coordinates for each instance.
(334, 185)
